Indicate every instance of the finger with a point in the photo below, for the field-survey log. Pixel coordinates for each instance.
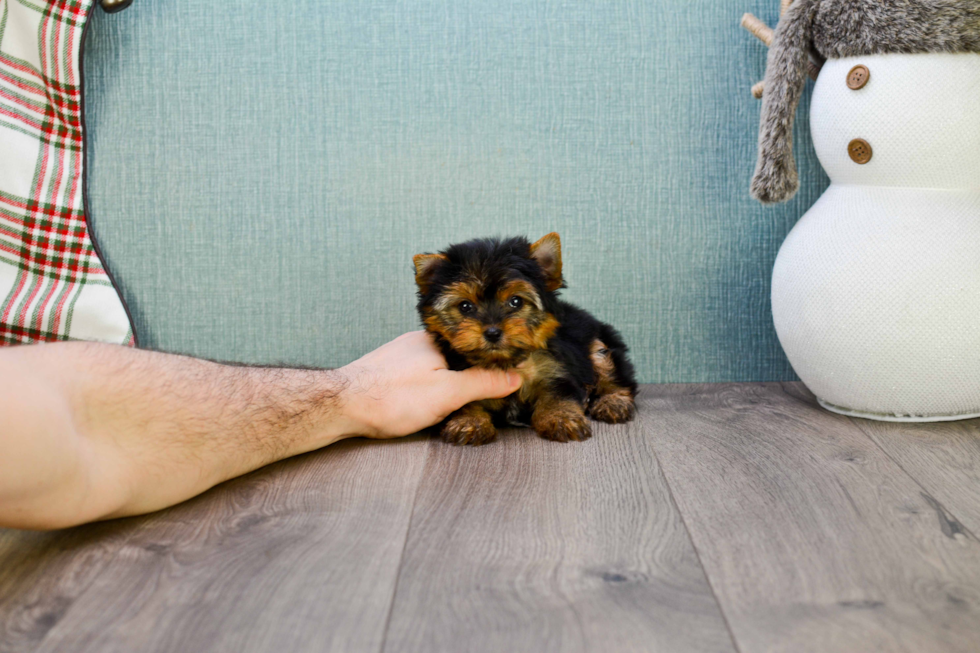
(415, 336)
(476, 383)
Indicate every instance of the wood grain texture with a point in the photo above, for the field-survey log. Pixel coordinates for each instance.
(815, 532)
(529, 545)
(299, 556)
(42, 576)
(944, 458)
(812, 537)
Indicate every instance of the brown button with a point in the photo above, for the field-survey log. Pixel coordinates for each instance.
(858, 77)
(859, 150)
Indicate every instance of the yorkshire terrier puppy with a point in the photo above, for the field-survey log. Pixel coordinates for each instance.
(494, 303)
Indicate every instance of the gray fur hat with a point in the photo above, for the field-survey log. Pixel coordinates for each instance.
(833, 29)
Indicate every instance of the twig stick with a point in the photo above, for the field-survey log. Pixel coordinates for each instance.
(759, 29)
(766, 34)
(813, 69)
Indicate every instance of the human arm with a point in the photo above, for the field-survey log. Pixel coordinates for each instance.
(93, 431)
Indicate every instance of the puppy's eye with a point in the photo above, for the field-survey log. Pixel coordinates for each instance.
(515, 302)
(466, 308)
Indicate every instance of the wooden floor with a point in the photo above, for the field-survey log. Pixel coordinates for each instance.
(726, 518)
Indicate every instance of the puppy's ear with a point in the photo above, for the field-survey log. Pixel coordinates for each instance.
(425, 267)
(547, 252)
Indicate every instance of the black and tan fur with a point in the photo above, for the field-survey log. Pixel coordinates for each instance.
(494, 303)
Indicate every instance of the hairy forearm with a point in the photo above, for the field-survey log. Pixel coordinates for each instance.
(93, 431)
(111, 431)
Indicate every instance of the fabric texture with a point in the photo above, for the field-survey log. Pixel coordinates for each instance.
(53, 284)
(261, 174)
(876, 291)
(844, 28)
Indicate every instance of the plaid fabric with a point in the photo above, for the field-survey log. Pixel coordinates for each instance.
(53, 284)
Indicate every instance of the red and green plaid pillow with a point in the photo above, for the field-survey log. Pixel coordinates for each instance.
(53, 284)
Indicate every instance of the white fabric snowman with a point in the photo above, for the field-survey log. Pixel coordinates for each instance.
(876, 290)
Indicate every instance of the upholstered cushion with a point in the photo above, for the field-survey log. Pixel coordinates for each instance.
(263, 172)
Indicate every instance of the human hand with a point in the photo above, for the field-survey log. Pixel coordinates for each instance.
(405, 386)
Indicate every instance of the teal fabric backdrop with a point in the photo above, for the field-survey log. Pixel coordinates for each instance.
(261, 173)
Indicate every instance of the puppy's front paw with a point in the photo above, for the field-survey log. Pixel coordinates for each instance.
(473, 427)
(562, 423)
(615, 408)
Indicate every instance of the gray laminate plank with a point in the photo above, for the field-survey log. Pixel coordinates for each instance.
(528, 545)
(42, 576)
(300, 556)
(812, 537)
(943, 457)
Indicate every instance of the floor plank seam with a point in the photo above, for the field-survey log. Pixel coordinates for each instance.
(926, 493)
(401, 557)
(694, 547)
(858, 424)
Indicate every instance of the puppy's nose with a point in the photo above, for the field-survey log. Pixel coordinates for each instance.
(492, 334)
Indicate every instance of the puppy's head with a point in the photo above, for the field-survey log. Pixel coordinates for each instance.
(491, 300)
